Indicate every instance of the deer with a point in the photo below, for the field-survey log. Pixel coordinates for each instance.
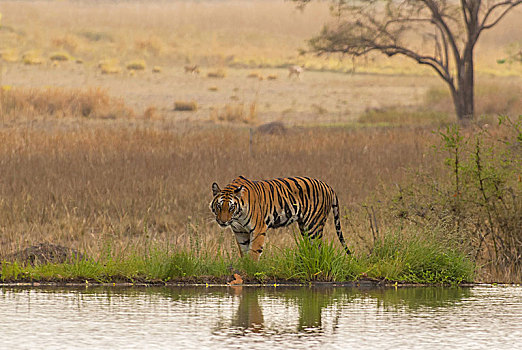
(194, 69)
(295, 70)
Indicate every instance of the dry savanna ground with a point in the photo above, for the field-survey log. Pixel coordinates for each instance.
(137, 51)
(107, 140)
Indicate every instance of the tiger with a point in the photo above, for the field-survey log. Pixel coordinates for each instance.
(251, 207)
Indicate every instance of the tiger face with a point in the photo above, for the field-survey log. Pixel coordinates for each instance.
(226, 204)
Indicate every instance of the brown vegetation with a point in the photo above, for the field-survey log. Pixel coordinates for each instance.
(86, 187)
(235, 112)
(16, 105)
(220, 73)
(185, 106)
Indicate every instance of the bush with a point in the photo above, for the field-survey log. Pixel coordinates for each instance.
(136, 65)
(235, 112)
(219, 74)
(185, 106)
(477, 196)
(60, 56)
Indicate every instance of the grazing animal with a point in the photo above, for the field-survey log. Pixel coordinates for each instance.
(251, 207)
(295, 70)
(194, 69)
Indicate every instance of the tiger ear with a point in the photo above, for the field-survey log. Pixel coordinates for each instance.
(215, 189)
(237, 191)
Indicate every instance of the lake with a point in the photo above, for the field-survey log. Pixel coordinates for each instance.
(481, 317)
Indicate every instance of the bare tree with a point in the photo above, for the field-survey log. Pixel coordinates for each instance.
(439, 33)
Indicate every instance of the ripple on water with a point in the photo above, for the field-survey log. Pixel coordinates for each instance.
(239, 317)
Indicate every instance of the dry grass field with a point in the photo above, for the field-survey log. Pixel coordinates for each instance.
(86, 45)
(94, 154)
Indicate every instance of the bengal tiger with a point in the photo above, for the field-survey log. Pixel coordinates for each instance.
(251, 207)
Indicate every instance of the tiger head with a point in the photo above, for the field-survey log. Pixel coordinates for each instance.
(226, 204)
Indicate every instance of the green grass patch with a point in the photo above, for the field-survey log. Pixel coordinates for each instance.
(394, 257)
(418, 259)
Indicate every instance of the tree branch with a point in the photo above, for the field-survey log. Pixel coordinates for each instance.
(438, 18)
(509, 5)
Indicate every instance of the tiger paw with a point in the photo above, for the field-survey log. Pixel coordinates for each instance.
(237, 280)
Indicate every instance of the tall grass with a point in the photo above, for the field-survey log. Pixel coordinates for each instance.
(316, 260)
(79, 187)
(423, 258)
(308, 261)
(18, 104)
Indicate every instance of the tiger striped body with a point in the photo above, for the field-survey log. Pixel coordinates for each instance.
(252, 207)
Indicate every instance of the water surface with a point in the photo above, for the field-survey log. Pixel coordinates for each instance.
(261, 318)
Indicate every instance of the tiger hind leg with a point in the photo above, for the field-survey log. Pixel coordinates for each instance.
(313, 230)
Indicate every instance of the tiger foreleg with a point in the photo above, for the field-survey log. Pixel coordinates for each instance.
(243, 242)
(257, 244)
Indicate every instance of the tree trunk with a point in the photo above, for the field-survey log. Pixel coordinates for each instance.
(463, 94)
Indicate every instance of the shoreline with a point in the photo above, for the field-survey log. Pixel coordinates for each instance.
(360, 284)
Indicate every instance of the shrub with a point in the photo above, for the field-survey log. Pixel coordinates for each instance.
(152, 44)
(136, 65)
(60, 56)
(109, 66)
(31, 58)
(217, 74)
(9, 55)
(97, 36)
(185, 106)
(235, 112)
(151, 113)
(477, 196)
